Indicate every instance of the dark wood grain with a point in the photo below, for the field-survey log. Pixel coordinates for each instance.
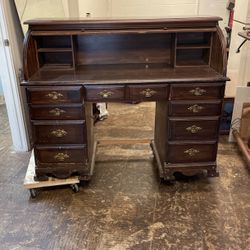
(195, 108)
(202, 128)
(105, 93)
(48, 156)
(63, 132)
(55, 95)
(197, 92)
(57, 112)
(177, 62)
(125, 74)
(203, 152)
(147, 92)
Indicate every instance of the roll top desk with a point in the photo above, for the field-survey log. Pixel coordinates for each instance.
(179, 63)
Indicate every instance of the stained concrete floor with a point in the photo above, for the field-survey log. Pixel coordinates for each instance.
(125, 206)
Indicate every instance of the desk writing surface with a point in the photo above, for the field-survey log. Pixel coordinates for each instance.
(128, 73)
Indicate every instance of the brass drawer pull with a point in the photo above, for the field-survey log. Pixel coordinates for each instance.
(198, 91)
(54, 95)
(148, 92)
(57, 112)
(105, 93)
(192, 151)
(193, 129)
(61, 156)
(195, 108)
(59, 133)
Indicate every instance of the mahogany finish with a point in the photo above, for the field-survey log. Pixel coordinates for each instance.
(187, 152)
(65, 132)
(180, 63)
(195, 108)
(201, 128)
(57, 112)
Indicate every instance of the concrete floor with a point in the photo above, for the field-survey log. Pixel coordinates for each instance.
(124, 206)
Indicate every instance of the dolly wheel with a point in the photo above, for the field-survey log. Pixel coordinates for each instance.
(33, 193)
(75, 188)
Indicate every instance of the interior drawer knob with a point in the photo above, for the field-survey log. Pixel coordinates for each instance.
(198, 91)
(192, 151)
(148, 92)
(193, 129)
(195, 108)
(106, 93)
(61, 157)
(57, 111)
(59, 133)
(54, 95)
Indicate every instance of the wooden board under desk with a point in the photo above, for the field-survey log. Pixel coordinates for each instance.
(179, 63)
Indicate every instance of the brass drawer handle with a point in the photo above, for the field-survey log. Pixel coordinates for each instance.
(57, 112)
(195, 108)
(148, 92)
(193, 129)
(198, 91)
(59, 133)
(105, 93)
(192, 151)
(54, 95)
(61, 156)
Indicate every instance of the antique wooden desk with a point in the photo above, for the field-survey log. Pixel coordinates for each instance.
(179, 63)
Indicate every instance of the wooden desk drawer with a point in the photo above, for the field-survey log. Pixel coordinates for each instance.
(193, 129)
(59, 132)
(147, 92)
(194, 108)
(103, 93)
(196, 91)
(47, 95)
(60, 155)
(191, 152)
(72, 112)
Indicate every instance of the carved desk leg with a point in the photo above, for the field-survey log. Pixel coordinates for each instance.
(212, 172)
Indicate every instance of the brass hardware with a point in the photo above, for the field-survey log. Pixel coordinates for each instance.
(54, 95)
(195, 108)
(57, 112)
(191, 151)
(198, 91)
(193, 129)
(61, 156)
(148, 92)
(105, 93)
(59, 133)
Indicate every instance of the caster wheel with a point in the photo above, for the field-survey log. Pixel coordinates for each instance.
(33, 193)
(75, 188)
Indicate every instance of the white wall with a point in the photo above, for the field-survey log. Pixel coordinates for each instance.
(29, 9)
(97, 8)
(239, 64)
(165, 8)
(153, 8)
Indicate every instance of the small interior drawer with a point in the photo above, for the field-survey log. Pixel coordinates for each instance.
(47, 95)
(61, 155)
(147, 92)
(193, 129)
(57, 112)
(104, 93)
(59, 132)
(195, 108)
(197, 91)
(191, 152)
